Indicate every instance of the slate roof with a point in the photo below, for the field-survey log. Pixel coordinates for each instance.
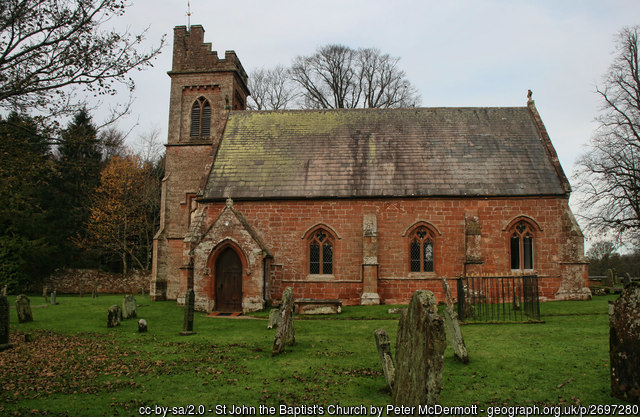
(452, 152)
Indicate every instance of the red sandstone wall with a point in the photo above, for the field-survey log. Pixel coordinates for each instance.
(76, 281)
(282, 226)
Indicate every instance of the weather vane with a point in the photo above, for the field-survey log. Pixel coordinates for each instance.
(189, 16)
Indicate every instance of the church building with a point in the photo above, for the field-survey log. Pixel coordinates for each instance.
(359, 205)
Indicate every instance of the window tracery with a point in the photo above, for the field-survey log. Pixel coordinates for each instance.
(521, 245)
(421, 250)
(320, 252)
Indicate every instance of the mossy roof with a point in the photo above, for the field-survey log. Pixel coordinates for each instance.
(452, 152)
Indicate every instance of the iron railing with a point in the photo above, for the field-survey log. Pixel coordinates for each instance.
(499, 299)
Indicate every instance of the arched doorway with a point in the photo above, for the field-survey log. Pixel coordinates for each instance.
(228, 270)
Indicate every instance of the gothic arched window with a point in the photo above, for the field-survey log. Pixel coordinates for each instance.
(421, 242)
(521, 243)
(200, 118)
(320, 244)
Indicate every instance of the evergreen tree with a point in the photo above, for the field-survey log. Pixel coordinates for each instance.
(27, 250)
(79, 164)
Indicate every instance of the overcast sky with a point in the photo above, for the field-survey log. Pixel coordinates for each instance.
(457, 53)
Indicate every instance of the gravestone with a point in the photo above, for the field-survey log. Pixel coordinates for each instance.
(4, 323)
(142, 326)
(129, 307)
(189, 307)
(53, 297)
(45, 293)
(115, 316)
(419, 353)
(94, 293)
(624, 345)
(516, 302)
(285, 334)
(274, 317)
(384, 351)
(23, 308)
(453, 326)
(611, 278)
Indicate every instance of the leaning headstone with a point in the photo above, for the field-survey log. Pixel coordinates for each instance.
(624, 345)
(611, 278)
(114, 317)
(4, 323)
(274, 317)
(23, 308)
(419, 353)
(384, 351)
(53, 297)
(189, 307)
(516, 302)
(142, 326)
(453, 326)
(285, 333)
(129, 307)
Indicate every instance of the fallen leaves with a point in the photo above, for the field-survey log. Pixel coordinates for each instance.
(69, 364)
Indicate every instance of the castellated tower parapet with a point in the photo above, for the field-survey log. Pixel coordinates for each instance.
(192, 54)
(199, 74)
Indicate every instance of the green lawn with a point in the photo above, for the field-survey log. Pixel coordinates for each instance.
(77, 366)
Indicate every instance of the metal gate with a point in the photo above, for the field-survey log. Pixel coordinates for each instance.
(499, 299)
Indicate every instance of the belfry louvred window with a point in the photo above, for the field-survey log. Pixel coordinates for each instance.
(320, 252)
(521, 246)
(200, 118)
(421, 250)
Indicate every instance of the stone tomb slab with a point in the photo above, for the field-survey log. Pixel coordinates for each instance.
(308, 306)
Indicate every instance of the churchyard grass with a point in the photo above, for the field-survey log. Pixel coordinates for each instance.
(77, 366)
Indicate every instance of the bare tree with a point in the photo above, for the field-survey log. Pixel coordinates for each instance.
(609, 173)
(51, 48)
(601, 250)
(151, 151)
(337, 76)
(112, 141)
(150, 147)
(602, 256)
(384, 84)
(271, 89)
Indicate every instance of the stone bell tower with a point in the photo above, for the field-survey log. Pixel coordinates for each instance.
(204, 88)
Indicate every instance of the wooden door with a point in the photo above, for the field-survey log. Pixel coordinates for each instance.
(228, 282)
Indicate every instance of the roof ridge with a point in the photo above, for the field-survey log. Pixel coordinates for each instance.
(376, 109)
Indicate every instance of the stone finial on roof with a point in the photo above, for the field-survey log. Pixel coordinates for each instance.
(229, 202)
(529, 96)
